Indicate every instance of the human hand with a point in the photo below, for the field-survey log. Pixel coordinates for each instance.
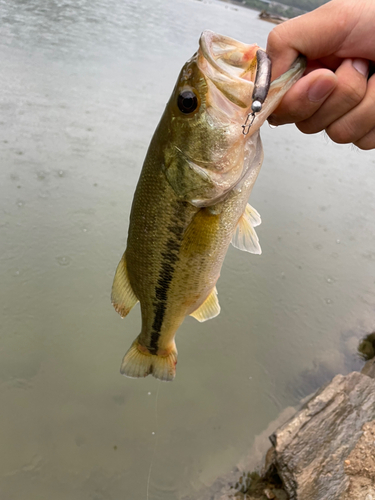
(335, 94)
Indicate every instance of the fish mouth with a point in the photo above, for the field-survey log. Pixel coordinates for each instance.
(231, 68)
(230, 71)
(230, 65)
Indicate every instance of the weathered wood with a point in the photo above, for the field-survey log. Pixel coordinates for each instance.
(311, 448)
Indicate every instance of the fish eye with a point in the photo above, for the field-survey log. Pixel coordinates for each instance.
(187, 101)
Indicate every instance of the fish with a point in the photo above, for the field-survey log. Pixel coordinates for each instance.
(191, 200)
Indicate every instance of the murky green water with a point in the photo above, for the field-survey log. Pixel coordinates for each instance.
(82, 86)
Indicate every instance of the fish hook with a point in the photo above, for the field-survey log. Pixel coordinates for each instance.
(261, 87)
(246, 126)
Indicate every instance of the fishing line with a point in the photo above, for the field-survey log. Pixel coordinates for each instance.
(156, 440)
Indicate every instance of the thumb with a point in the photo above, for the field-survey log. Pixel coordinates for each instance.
(304, 98)
(316, 35)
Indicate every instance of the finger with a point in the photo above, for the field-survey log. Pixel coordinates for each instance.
(317, 34)
(305, 97)
(367, 142)
(318, 64)
(349, 92)
(281, 51)
(358, 125)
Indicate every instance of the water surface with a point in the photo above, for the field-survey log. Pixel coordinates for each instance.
(83, 85)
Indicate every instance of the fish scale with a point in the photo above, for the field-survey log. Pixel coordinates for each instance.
(191, 199)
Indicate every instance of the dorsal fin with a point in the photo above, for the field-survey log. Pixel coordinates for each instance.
(123, 298)
(209, 309)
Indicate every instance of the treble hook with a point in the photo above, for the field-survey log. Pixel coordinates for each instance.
(261, 87)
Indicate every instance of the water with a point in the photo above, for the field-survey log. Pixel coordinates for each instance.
(83, 85)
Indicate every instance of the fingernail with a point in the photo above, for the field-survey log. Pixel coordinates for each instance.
(320, 89)
(361, 65)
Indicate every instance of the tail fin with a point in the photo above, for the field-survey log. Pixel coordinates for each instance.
(137, 363)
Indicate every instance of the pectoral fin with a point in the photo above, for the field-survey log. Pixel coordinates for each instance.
(209, 309)
(245, 238)
(253, 215)
(123, 298)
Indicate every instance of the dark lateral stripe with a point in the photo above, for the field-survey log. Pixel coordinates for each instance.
(170, 257)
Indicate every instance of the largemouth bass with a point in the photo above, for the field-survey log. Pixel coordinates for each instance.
(191, 199)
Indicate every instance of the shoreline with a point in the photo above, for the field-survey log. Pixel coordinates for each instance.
(269, 9)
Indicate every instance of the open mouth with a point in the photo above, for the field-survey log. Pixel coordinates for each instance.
(241, 73)
(230, 57)
(230, 65)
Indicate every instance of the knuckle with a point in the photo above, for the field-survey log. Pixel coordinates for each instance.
(309, 126)
(292, 109)
(305, 114)
(352, 91)
(298, 114)
(365, 146)
(289, 117)
(276, 37)
(367, 142)
(341, 133)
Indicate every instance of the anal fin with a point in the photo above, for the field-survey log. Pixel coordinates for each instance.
(209, 309)
(244, 237)
(123, 298)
